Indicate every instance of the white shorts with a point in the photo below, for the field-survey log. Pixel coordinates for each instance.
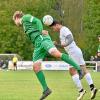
(76, 55)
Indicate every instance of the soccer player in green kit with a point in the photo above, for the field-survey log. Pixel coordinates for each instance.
(42, 44)
(99, 43)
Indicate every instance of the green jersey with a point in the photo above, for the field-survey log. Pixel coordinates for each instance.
(32, 26)
(99, 48)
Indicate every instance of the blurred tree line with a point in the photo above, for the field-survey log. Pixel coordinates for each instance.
(81, 16)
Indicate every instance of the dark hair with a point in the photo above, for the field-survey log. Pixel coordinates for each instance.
(54, 23)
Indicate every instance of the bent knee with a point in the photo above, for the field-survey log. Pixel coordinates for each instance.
(84, 69)
(72, 71)
(36, 67)
(55, 53)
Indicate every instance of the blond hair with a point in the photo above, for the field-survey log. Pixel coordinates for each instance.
(17, 14)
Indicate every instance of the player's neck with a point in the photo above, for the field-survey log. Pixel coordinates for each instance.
(60, 26)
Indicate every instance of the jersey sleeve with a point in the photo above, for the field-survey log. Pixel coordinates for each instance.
(26, 18)
(38, 22)
(64, 32)
(34, 20)
(62, 39)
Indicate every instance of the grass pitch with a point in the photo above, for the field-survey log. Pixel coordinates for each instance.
(23, 85)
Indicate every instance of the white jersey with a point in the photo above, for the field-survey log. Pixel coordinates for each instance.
(72, 49)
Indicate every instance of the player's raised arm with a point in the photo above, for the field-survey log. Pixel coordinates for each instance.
(38, 22)
(66, 40)
(33, 20)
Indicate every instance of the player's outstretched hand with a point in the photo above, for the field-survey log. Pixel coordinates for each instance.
(44, 32)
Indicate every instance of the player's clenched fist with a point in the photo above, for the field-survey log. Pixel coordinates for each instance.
(44, 32)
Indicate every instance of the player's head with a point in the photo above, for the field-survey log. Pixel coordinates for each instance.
(56, 26)
(17, 17)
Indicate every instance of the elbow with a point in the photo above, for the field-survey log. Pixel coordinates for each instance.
(63, 45)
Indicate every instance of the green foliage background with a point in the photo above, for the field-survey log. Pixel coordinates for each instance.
(81, 16)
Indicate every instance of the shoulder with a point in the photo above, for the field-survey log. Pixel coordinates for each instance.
(65, 31)
(27, 17)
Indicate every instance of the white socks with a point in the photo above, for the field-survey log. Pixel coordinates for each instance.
(77, 82)
(88, 78)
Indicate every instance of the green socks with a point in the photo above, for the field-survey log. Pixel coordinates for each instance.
(41, 79)
(65, 58)
(69, 60)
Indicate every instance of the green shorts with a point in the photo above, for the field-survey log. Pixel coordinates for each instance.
(43, 44)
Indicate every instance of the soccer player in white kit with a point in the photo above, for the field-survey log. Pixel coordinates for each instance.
(67, 41)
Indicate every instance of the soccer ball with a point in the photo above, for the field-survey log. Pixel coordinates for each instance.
(47, 20)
